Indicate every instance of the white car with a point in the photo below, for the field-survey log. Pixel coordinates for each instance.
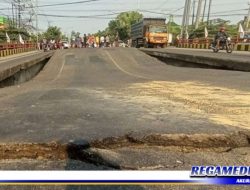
(65, 45)
(122, 44)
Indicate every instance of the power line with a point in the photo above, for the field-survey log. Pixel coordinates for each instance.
(70, 3)
(79, 17)
(228, 11)
(154, 12)
(248, 17)
(56, 4)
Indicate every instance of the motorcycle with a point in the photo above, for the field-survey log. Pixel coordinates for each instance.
(225, 44)
(46, 47)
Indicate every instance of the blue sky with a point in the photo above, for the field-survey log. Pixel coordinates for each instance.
(233, 10)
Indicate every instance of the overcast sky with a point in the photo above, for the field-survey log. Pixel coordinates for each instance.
(233, 10)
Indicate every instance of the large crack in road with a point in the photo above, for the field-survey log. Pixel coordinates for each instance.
(113, 152)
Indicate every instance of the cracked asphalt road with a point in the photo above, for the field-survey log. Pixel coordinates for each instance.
(97, 93)
(83, 95)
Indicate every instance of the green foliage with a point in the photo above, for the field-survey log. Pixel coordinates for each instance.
(34, 38)
(121, 26)
(53, 32)
(14, 35)
(213, 28)
(124, 22)
(174, 28)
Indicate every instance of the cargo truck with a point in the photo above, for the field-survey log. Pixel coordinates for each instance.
(149, 32)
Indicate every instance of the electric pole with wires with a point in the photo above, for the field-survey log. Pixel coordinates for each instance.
(198, 15)
(194, 3)
(248, 17)
(19, 13)
(37, 32)
(204, 10)
(209, 11)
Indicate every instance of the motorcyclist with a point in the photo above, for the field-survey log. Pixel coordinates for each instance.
(221, 36)
(45, 44)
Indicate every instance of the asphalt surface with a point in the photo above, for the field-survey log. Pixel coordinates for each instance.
(88, 94)
(84, 95)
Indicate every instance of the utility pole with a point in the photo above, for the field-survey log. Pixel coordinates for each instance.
(204, 10)
(209, 10)
(138, 5)
(16, 13)
(19, 13)
(171, 20)
(184, 18)
(37, 23)
(248, 17)
(194, 3)
(13, 16)
(198, 14)
(188, 15)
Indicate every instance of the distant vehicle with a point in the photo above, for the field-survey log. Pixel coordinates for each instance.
(46, 47)
(225, 44)
(65, 44)
(149, 32)
(122, 44)
(247, 36)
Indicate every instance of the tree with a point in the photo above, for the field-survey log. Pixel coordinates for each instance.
(213, 28)
(122, 24)
(53, 32)
(14, 35)
(174, 28)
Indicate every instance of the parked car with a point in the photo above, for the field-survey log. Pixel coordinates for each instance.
(65, 45)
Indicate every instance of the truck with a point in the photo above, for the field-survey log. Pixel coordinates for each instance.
(149, 33)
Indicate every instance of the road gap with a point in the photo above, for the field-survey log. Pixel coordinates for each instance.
(24, 75)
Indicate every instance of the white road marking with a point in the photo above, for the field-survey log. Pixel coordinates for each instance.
(124, 71)
(61, 69)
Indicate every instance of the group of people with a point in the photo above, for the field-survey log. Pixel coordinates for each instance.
(49, 44)
(91, 41)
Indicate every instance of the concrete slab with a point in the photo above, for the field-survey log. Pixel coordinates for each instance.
(13, 64)
(239, 61)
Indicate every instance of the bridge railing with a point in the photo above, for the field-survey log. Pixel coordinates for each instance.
(204, 43)
(7, 49)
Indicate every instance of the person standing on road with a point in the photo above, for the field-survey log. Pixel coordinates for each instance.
(44, 43)
(102, 41)
(85, 40)
(107, 41)
(97, 41)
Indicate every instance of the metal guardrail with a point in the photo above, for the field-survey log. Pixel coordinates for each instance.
(7, 46)
(209, 40)
(7, 49)
(204, 43)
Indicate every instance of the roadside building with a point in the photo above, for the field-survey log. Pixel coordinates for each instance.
(3, 23)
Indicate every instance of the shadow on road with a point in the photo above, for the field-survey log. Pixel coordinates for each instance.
(79, 158)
